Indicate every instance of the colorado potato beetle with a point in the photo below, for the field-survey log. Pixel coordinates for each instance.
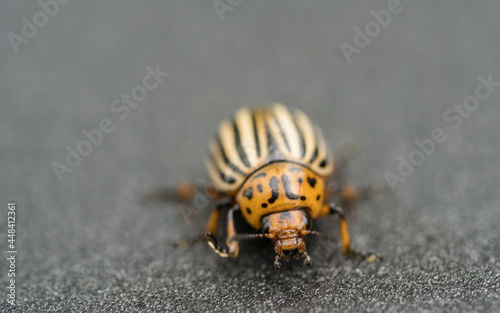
(272, 165)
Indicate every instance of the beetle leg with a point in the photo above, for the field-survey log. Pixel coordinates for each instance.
(307, 258)
(213, 220)
(214, 244)
(185, 193)
(231, 241)
(277, 262)
(344, 233)
(211, 229)
(231, 233)
(349, 193)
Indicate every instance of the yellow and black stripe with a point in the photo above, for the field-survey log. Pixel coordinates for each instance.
(254, 138)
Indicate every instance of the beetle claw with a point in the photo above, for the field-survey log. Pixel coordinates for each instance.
(307, 260)
(277, 263)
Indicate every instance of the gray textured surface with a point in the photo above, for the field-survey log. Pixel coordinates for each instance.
(85, 244)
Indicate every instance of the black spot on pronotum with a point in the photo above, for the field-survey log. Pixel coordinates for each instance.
(301, 180)
(323, 163)
(248, 193)
(285, 215)
(264, 205)
(260, 175)
(295, 169)
(288, 192)
(318, 197)
(311, 181)
(259, 187)
(249, 211)
(273, 183)
(302, 198)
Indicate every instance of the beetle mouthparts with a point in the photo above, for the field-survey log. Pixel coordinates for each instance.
(290, 246)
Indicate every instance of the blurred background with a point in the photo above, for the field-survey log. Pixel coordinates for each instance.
(151, 81)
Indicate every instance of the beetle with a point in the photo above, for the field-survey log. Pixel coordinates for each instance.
(272, 165)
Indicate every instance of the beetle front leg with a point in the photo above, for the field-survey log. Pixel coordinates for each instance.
(344, 233)
(211, 229)
(232, 243)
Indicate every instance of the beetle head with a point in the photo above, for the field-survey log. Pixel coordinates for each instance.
(287, 229)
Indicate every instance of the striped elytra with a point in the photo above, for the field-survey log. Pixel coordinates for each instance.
(256, 137)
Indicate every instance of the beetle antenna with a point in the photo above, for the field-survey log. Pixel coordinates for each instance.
(323, 236)
(248, 237)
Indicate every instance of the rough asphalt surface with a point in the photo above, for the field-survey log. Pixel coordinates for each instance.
(87, 244)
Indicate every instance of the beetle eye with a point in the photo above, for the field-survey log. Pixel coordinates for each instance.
(306, 220)
(266, 225)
